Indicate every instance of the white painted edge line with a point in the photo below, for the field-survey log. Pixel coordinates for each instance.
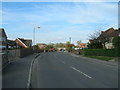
(29, 76)
(30, 73)
(81, 72)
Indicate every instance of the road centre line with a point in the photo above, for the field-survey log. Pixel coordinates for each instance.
(81, 72)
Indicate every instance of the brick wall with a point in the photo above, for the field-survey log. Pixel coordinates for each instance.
(25, 51)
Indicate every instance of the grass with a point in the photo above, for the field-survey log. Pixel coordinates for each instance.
(101, 58)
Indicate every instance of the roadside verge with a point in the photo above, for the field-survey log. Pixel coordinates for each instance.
(112, 62)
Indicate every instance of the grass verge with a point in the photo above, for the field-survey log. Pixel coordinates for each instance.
(101, 58)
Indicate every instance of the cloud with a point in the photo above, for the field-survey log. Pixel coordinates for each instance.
(59, 21)
(76, 14)
(60, 0)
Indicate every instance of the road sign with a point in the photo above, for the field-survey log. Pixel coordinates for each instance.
(73, 47)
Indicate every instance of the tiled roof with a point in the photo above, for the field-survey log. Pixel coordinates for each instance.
(109, 33)
(82, 43)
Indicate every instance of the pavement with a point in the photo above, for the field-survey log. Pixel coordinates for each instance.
(65, 70)
(15, 75)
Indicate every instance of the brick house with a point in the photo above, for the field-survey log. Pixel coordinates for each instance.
(23, 43)
(83, 45)
(3, 39)
(106, 37)
(42, 45)
(11, 44)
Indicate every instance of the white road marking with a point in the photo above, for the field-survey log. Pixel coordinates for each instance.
(80, 72)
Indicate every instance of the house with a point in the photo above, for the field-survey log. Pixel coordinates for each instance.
(71, 45)
(83, 45)
(23, 43)
(106, 37)
(42, 45)
(11, 44)
(3, 39)
(91, 41)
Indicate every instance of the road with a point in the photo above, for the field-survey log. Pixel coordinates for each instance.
(63, 70)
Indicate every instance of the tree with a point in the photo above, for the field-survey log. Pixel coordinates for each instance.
(116, 42)
(94, 45)
(95, 35)
(60, 45)
(68, 48)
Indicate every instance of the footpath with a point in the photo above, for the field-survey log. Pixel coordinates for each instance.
(15, 75)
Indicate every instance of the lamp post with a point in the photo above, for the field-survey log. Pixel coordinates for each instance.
(34, 38)
(34, 34)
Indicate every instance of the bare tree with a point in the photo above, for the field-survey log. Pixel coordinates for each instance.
(95, 35)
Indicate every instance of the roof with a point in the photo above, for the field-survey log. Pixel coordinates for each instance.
(11, 42)
(41, 44)
(2, 32)
(90, 40)
(109, 33)
(82, 43)
(26, 41)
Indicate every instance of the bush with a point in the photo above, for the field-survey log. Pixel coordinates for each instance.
(94, 45)
(116, 42)
(101, 52)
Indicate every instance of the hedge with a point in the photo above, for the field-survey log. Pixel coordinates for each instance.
(101, 52)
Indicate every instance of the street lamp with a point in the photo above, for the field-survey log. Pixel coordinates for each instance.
(34, 34)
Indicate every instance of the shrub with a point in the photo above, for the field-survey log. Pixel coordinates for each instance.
(116, 42)
(101, 52)
(94, 45)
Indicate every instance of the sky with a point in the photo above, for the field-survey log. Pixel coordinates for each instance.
(58, 20)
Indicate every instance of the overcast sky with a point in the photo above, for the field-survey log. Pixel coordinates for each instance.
(58, 20)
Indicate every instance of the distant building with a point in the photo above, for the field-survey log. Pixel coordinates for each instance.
(71, 45)
(3, 39)
(23, 43)
(91, 41)
(83, 45)
(42, 45)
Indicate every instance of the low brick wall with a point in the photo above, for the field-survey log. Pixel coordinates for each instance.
(25, 51)
(9, 55)
(4, 60)
(13, 54)
(17, 53)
